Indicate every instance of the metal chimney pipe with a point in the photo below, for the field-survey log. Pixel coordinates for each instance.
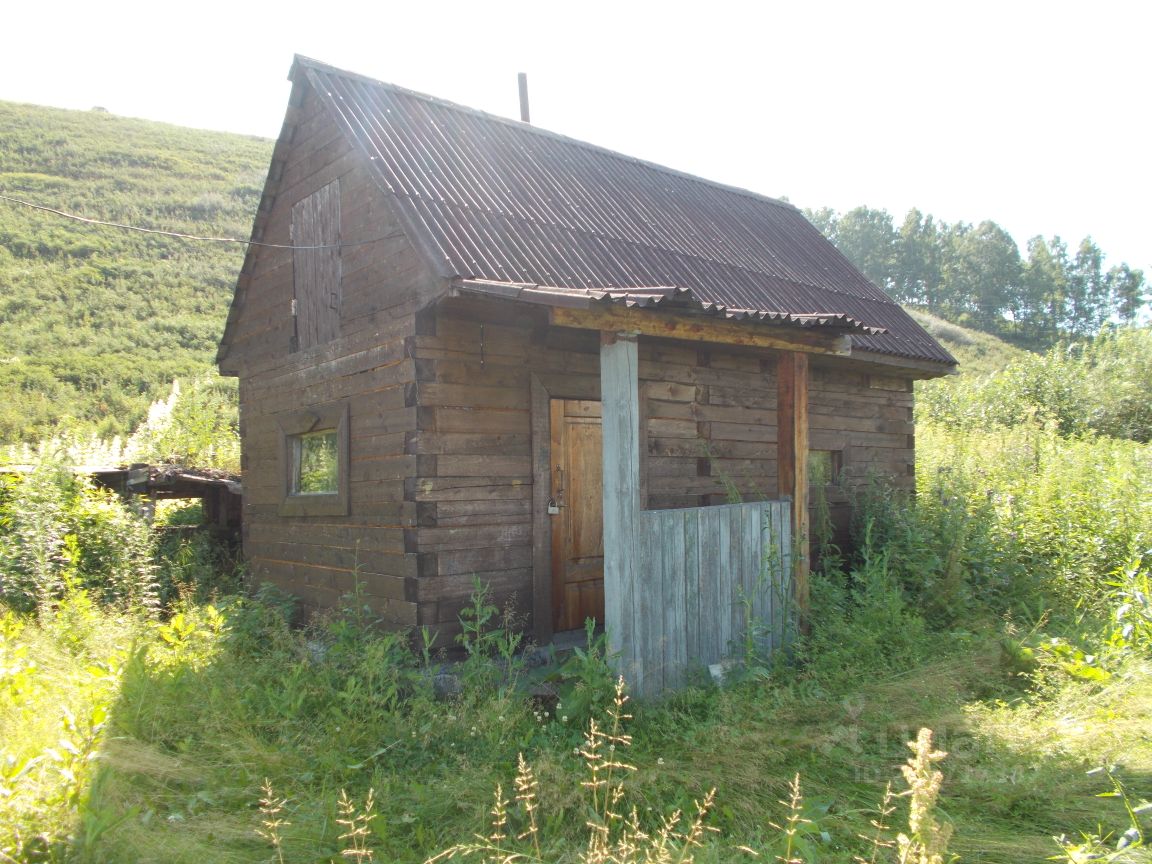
(522, 77)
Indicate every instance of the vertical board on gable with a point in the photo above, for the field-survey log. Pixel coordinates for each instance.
(316, 271)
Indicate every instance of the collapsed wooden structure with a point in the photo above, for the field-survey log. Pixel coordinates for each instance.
(495, 353)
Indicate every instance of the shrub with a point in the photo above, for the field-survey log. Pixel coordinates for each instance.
(60, 532)
(1103, 386)
(34, 551)
(193, 562)
(197, 426)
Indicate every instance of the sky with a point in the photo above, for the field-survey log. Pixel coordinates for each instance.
(1031, 114)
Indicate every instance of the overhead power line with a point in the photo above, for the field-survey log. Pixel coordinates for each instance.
(181, 236)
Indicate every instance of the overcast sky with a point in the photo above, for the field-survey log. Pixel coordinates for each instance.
(1033, 114)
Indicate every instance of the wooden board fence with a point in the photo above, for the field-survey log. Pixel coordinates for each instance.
(711, 584)
(683, 588)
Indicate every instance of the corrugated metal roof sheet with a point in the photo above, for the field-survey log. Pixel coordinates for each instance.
(508, 202)
(667, 297)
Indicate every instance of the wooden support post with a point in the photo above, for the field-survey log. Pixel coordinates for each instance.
(623, 595)
(792, 461)
(541, 521)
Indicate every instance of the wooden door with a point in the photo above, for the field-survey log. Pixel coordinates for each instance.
(577, 515)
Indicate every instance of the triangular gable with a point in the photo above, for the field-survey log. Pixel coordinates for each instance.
(487, 198)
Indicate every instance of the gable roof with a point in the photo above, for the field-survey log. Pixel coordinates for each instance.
(501, 201)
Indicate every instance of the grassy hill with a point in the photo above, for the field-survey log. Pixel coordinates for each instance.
(95, 322)
(979, 353)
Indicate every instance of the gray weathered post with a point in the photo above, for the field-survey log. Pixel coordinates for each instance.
(623, 593)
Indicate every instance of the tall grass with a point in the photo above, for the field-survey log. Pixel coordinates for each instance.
(1005, 606)
(1100, 386)
(1061, 513)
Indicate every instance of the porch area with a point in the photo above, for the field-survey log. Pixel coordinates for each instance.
(688, 588)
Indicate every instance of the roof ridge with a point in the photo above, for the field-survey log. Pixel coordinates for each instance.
(308, 62)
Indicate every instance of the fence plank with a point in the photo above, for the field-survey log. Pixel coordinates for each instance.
(675, 637)
(753, 517)
(704, 575)
(692, 588)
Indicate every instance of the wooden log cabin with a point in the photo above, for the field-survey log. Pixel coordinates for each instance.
(474, 349)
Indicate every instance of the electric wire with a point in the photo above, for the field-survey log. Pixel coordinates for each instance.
(181, 236)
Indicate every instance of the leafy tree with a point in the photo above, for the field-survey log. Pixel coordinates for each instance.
(1088, 305)
(826, 220)
(917, 267)
(983, 272)
(1127, 291)
(975, 274)
(1046, 286)
(868, 240)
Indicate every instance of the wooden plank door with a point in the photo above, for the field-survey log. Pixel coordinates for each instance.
(577, 515)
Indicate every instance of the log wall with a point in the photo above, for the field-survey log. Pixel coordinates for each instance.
(867, 418)
(368, 368)
(710, 438)
(445, 421)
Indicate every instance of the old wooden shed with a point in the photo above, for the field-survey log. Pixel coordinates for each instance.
(594, 383)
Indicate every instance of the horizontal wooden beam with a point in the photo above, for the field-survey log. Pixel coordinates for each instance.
(698, 329)
(915, 368)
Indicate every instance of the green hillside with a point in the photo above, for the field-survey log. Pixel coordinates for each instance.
(979, 353)
(95, 322)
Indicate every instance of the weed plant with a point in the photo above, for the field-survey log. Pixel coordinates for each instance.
(59, 532)
(193, 563)
(1096, 387)
(1005, 607)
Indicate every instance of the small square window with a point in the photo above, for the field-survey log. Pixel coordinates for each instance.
(824, 467)
(314, 462)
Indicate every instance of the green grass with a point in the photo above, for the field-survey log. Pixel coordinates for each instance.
(197, 718)
(979, 353)
(992, 612)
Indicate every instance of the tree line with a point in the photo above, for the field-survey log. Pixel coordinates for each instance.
(976, 275)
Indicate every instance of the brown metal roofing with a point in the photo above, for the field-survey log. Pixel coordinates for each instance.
(506, 202)
(662, 297)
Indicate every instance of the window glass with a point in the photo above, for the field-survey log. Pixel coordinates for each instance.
(824, 467)
(316, 469)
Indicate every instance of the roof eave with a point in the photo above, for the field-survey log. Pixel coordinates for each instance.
(914, 367)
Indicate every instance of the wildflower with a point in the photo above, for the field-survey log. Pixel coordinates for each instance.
(564, 719)
(660, 761)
